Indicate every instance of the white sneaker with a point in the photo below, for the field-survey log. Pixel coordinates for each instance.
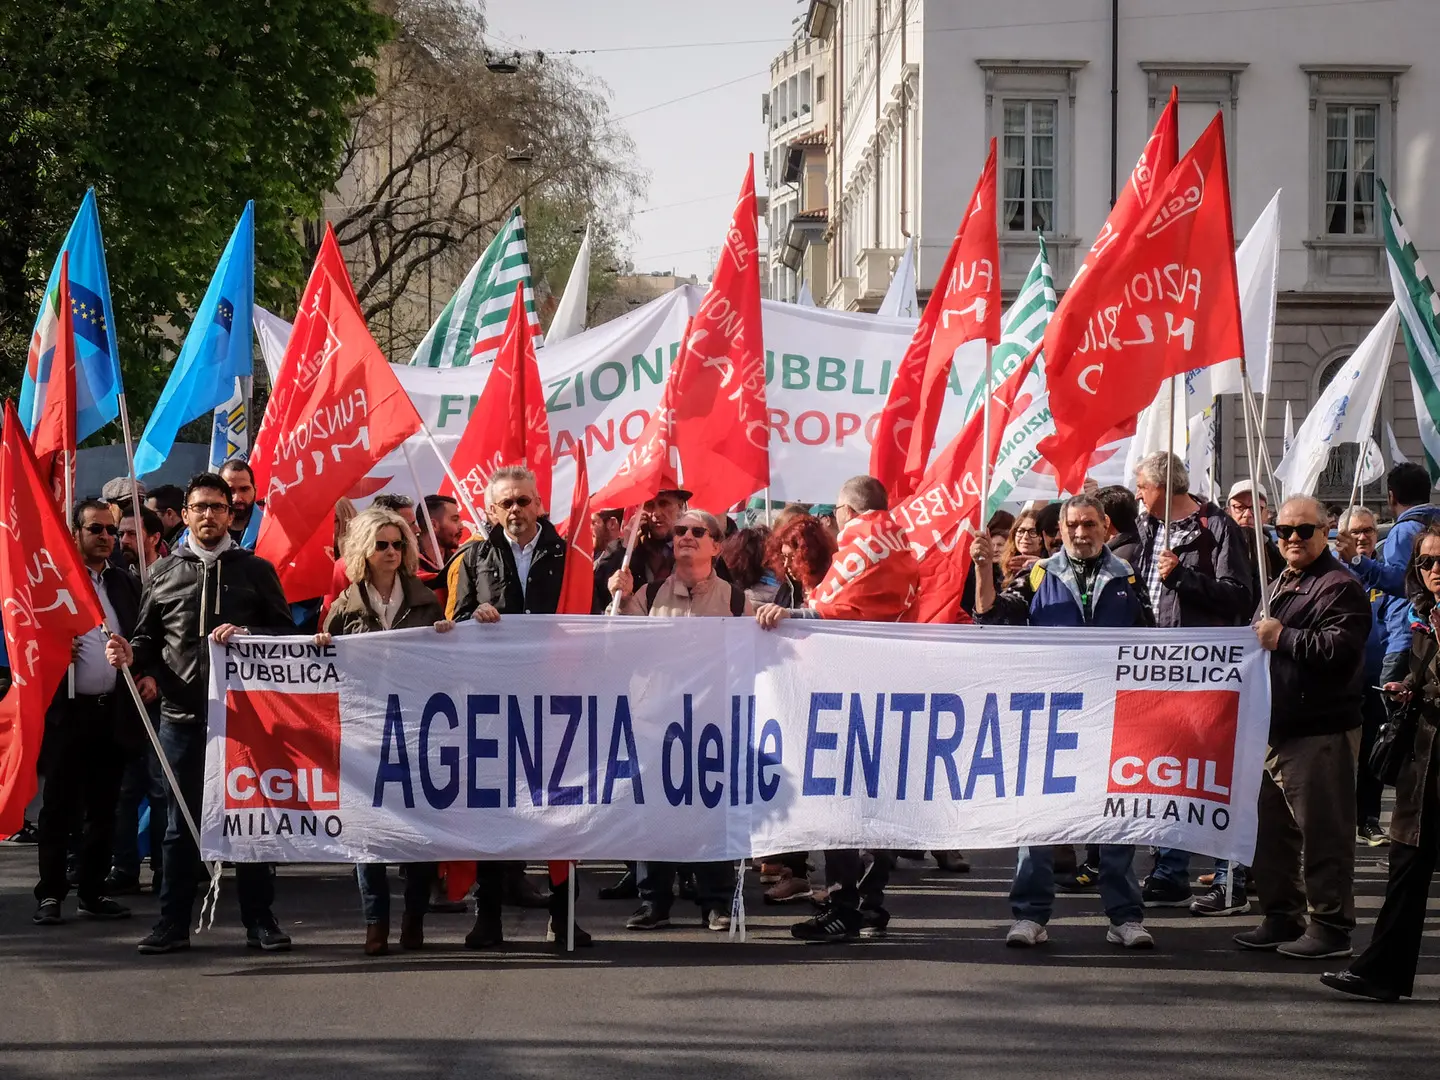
(1026, 933)
(1132, 935)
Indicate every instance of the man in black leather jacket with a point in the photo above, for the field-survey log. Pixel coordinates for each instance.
(212, 588)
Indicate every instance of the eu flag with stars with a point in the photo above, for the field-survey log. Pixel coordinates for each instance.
(97, 359)
(217, 350)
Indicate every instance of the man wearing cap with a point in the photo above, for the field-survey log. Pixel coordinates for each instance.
(1240, 505)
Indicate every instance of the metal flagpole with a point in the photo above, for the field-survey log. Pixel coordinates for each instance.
(570, 924)
(984, 438)
(767, 506)
(461, 491)
(421, 508)
(1169, 458)
(134, 483)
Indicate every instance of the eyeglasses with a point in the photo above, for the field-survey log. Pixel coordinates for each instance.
(208, 508)
(1426, 563)
(520, 501)
(696, 531)
(96, 530)
(1027, 531)
(386, 545)
(1371, 531)
(1304, 532)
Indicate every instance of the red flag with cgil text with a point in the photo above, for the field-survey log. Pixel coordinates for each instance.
(1165, 300)
(577, 587)
(942, 514)
(328, 261)
(509, 425)
(965, 305)
(711, 432)
(54, 436)
(344, 410)
(48, 602)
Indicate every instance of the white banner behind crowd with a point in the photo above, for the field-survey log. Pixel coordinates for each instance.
(542, 737)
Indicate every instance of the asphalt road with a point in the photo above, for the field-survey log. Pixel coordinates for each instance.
(941, 996)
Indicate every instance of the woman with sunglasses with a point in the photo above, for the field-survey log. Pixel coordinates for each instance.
(381, 561)
(1385, 971)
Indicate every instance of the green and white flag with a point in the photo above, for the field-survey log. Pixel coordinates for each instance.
(1419, 309)
(470, 328)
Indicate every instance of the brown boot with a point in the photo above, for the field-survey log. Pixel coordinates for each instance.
(377, 938)
(412, 931)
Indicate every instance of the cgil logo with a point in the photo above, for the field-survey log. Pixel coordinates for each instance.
(282, 750)
(1174, 742)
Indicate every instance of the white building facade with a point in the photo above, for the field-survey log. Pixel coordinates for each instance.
(796, 112)
(1319, 100)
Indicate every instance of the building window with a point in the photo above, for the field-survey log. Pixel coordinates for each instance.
(1350, 169)
(819, 89)
(1029, 149)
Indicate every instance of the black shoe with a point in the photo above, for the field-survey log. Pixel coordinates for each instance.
(1371, 835)
(1271, 934)
(523, 890)
(686, 889)
(832, 923)
(1160, 893)
(647, 918)
(873, 922)
(1084, 879)
(1212, 902)
(487, 932)
(118, 884)
(1349, 983)
(952, 862)
(624, 889)
(48, 913)
(267, 936)
(29, 834)
(104, 908)
(165, 938)
(557, 936)
(72, 874)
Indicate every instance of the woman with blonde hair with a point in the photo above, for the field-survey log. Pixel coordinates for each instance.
(381, 559)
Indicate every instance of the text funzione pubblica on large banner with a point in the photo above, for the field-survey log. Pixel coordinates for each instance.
(699, 739)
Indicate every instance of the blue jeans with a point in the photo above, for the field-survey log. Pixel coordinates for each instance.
(1173, 865)
(184, 746)
(1032, 896)
(1222, 871)
(375, 890)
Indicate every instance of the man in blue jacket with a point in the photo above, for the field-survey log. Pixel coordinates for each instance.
(1084, 584)
(1408, 485)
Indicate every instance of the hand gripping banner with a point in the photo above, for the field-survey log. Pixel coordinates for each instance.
(564, 737)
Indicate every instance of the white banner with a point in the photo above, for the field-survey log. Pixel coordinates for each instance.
(827, 376)
(698, 739)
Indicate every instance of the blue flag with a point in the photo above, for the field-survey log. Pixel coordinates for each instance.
(97, 359)
(217, 351)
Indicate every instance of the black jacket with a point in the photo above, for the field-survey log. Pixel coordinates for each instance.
(1415, 787)
(184, 601)
(1214, 585)
(1127, 547)
(1317, 672)
(484, 572)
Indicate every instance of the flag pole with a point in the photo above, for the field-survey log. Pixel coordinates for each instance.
(570, 922)
(421, 508)
(67, 464)
(1359, 467)
(134, 483)
(1169, 458)
(985, 437)
(614, 608)
(461, 491)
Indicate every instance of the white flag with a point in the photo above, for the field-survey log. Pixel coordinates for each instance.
(1346, 410)
(805, 299)
(900, 299)
(1371, 466)
(1257, 264)
(1289, 438)
(1199, 455)
(570, 315)
(1156, 428)
(273, 333)
(1396, 457)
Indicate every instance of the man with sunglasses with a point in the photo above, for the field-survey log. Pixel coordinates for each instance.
(89, 730)
(208, 589)
(516, 568)
(1315, 632)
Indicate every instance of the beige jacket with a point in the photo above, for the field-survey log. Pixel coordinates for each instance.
(708, 597)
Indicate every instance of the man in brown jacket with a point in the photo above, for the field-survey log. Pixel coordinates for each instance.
(1319, 620)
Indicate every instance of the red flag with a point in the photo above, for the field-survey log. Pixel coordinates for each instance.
(509, 425)
(964, 305)
(1165, 301)
(577, 587)
(712, 416)
(946, 506)
(344, 410)
(48, 601)
(54, 436)
(873, 576)
(328, 261)
(970, 309)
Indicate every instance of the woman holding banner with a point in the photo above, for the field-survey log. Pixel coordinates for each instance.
(381, 558)
(1385, 971)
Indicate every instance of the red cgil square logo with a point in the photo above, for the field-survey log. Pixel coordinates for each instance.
(282, 750)
(1174, 742)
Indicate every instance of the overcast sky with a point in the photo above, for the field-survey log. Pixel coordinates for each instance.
(694, 150)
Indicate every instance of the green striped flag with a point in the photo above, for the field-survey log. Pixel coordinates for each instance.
(469, 330)
(1419, 307)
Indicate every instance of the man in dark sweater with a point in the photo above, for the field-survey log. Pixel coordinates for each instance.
(1316, 630)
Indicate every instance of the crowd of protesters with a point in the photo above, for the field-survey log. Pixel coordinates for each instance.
(1351, 623)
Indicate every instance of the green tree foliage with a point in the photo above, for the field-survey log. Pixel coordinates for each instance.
(177, 112)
